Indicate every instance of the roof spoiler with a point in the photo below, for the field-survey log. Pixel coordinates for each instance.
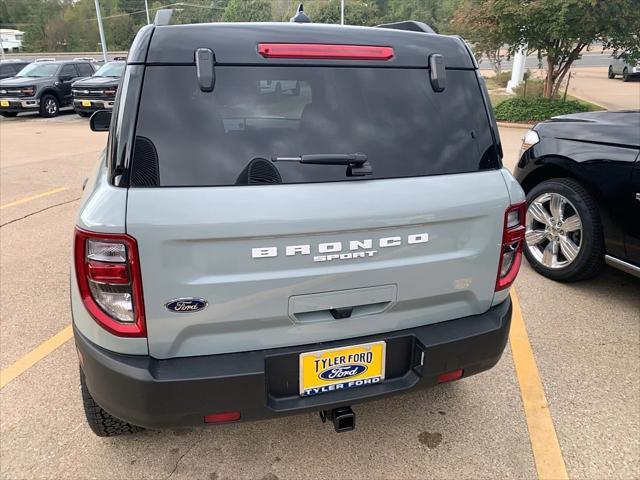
(408, 25)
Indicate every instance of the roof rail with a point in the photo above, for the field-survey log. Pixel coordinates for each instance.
(88, 59)
(163, 17)
(408, 25)
(45, 59)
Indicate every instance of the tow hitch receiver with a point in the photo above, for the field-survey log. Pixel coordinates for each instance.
(343, 418)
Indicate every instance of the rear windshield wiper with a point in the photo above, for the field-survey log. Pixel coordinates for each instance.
(357, 163)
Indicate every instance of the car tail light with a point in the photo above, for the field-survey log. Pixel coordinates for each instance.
(222, 417)
(511, 248)
(109, 280)
(450, 376)
(324, 51)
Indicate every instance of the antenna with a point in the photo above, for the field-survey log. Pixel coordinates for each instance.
(300, 16)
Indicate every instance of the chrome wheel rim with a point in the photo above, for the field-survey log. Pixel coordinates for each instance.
(553, 231)
(50, 106)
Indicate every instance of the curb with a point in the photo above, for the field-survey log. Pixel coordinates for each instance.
(515, 125)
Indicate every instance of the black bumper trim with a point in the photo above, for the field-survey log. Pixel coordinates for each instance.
(181, 391)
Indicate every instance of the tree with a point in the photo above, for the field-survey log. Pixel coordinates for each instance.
(479, 28)
(559, 30)
(356, 12)
(247, 11)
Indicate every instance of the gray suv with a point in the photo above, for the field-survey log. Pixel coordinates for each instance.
(245, 251)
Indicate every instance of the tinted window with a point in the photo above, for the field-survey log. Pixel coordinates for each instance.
(85, 69)
(111, 69)
(391, 115)
(41, 69)
(68, 71)
(7, 70)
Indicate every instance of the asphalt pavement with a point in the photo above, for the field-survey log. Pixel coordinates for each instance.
(585, 341)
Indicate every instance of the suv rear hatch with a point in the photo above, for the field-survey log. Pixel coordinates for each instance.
(287, 253)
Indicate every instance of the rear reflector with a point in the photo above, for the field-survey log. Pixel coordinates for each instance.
(324, 51)
(222, 417)
(450, 376)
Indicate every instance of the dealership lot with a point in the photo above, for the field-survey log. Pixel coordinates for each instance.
(585, 340)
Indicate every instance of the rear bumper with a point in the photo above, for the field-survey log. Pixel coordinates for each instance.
(260, 384)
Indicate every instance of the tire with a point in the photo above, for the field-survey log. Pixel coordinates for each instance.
(102, 423)
(625, 75)
(551, 243)
(49, 106)
(610, 74)
(9, 114)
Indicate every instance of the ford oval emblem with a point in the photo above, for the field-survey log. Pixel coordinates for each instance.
(186, 305)
(343, 371)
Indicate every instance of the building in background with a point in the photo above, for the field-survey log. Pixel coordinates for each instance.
(11, 40)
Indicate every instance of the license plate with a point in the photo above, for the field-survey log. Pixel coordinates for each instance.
(326, 371)
(86, 103)
(4, 103)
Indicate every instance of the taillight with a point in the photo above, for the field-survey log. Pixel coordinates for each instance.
(511, 248)
(109, 280)
(325, 51)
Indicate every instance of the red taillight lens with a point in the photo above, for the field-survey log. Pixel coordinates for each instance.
(511, 248)
(324, 51)
(222, 417)
(450, 376)
(108, 274)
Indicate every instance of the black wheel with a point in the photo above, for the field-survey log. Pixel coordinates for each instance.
(83, 114)
(102, 423)
(610, 74)
(564, 239)
(9, 114)
(49, 106)
(625, 75)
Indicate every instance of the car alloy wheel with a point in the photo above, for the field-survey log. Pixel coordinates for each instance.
(553, 230)
(50, 106)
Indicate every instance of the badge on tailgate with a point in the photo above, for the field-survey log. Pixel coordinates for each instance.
(341, 368)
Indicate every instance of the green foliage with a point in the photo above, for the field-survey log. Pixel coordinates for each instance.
(501, 79)
(535, 109)
(70, 25)
(532, 88)
(247, 11)
(559, 30)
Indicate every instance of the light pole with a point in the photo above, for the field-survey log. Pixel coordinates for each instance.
(146, 7)
(341, 12)
(102, 40)
(1, 47)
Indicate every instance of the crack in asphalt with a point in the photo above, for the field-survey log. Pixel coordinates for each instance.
(39, 211)
(182, 456)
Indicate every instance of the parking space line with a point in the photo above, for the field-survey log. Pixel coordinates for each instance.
(33, 197)
(34, 356)
(544, 441)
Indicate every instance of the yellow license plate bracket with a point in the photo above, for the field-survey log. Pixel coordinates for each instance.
(86, 103)
(4, 103)
(335, 369)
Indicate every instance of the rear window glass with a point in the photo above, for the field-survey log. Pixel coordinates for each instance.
(391, 115)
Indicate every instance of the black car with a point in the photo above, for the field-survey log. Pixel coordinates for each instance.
(10, 68)
(99, 91)
(43, 86)
(581, 174)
